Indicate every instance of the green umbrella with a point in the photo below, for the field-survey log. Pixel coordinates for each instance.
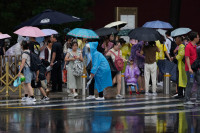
(124, 32)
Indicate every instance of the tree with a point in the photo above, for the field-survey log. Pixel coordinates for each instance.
(14, 12)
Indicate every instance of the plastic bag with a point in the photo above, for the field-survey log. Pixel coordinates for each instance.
(64, 76)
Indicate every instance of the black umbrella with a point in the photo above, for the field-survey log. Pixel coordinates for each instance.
(144, 34)
(49, 17)
(106, 31)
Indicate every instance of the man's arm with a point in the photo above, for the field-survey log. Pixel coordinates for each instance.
(188, 63)
(53, 58)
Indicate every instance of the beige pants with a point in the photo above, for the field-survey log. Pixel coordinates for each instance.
(150, 69)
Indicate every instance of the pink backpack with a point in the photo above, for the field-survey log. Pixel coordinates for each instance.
(119, 63)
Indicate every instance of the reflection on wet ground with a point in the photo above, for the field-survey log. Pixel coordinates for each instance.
(130, 115)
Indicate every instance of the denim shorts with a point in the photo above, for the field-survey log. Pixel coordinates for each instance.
(28, 74)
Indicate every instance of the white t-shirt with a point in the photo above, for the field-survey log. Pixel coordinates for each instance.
(168, 44)
(116, 52)
(42, 52)
(27, 57)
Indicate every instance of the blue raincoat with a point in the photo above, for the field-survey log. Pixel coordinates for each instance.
(100, 68)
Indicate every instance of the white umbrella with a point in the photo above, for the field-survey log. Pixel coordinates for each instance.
(49, 32)
(180, 31)
(162, 32)
(117, 24)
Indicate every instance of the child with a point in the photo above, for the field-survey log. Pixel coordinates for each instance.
(41, 78)
(131, 75)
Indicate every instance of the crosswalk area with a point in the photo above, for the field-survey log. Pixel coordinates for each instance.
(147, 105)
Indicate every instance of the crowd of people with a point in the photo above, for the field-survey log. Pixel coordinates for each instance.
(104, 60)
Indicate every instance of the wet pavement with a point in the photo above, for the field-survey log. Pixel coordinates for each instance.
(135, 114)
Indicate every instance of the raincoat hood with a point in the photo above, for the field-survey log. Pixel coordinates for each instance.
(93, 47)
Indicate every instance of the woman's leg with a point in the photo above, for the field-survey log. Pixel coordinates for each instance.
(25, 90)
(101, 94)
(119, 83)
(29, 89)
(140, 82)
(43, 92)
(115, 79)
(48, 77)
(143, 82)
(130, 91)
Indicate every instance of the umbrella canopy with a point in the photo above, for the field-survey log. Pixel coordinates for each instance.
(83, 33)
(117, 24)
(106, 31)
(124, 32)
(158, 25)
(180, 31)
(49, 32)
(144, 34)
(162, 32)
(4, 36)
(30, 31)
(49, 17)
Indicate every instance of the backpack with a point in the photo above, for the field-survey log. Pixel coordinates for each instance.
(77, 68)
(173, 47)
(35, 62)
(42, 72)
(119, 63)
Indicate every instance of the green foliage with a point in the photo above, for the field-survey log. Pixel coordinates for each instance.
(14, 12)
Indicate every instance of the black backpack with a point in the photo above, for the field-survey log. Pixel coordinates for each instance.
(35, 62)
(173, 47)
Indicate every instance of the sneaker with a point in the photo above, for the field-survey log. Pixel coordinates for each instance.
(147, 94)
(24, 99)
(160, 84)
(138, 93)
(188, 103)
(90, 97)
(130, 92)
(75, 94)
(45, 99)
(100, 98)
(154, 94)
(178, 97)
(197, 101)
(119, 96)
(175, 95)
(31, 99)
(70, 94)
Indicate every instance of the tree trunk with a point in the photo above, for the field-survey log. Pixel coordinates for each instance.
(175, 9)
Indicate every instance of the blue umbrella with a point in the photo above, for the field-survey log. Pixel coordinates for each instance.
(49, 17)
(180, 31)
(83, 33)
(158, 25)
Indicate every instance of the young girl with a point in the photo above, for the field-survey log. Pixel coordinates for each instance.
(131, 75)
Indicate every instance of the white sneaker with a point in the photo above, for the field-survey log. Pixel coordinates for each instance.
(188, 103)
(100, 98)
(119, 96)
(160, 84)
(154, 94)
(75, 94)
(24, 99)
(70, 94)
(45, 99)
(147, 94)
(31, 99)
(175, 95)
(90, 97)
